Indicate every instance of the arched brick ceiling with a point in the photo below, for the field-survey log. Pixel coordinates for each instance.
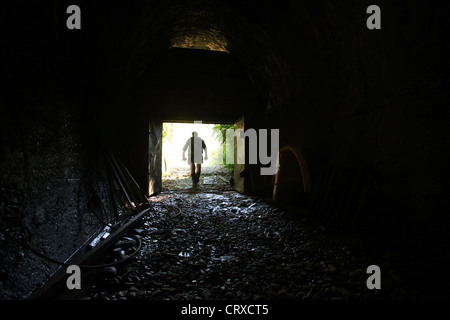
(138, 31)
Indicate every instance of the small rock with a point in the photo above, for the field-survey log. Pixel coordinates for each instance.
(141, 293)
(166, 266)
(275, 286)
(206, 293)
(138, 231)
(109, 271)
(284, 295)
(277, 256)
(331, 268)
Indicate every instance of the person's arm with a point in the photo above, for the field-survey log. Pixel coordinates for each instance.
(184, 150)
(206, 150)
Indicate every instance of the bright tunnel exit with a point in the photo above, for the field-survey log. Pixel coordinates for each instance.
(176, 172)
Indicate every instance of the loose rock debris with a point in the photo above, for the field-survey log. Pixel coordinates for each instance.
(230, 246)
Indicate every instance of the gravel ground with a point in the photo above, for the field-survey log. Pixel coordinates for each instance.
(209, 243)
(229, 246)
(212, 178)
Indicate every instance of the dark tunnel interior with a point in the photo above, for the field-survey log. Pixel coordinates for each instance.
(362, 117)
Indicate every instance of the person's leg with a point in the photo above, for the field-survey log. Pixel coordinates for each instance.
(199, 171)
(193, 176)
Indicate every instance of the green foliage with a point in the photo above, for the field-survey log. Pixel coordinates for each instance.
(167, 132)
(230, 167)
(220, 132)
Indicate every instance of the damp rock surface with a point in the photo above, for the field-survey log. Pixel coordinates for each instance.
(225, 245)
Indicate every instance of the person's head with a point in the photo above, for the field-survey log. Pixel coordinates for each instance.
(194, 133)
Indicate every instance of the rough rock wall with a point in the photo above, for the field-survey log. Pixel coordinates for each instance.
(43, 199)
(44, 160)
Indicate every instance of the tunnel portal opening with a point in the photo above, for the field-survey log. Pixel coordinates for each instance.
(215, 172)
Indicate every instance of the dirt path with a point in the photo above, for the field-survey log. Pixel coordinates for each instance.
(212, 178)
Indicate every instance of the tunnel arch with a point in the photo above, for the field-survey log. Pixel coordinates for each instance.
(288, 185)
(150, 29)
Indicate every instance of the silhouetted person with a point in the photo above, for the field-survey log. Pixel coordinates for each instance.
(196, 146)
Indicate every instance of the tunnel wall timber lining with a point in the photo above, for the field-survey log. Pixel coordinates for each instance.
(368, 110)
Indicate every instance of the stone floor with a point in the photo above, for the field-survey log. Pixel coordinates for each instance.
(213, 243)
